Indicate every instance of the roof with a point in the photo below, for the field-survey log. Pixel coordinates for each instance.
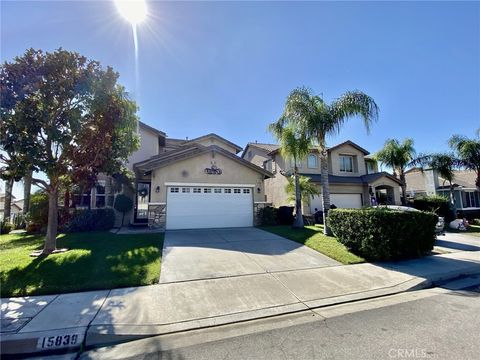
(148, 127)
(464, 178)
(351, 143)
(218, 137)
(363, 180)
(348, 142)
(265, 147)
(415, 179)
(190, 151)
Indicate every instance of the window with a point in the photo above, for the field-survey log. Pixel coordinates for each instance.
(197, 190)
(174, 190)
(236, 191)
(246, 191)
(471, 200)
(227, 191)
(312, 161)
(250, 155)
(267, 165)
(217, 191)
(292, 163)
(346, 163)
(100, 194)
(207, 190)
(81, 201)
(185, 190)
(370, 167)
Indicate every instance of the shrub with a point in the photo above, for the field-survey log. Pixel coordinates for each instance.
(91, 220)
(438, 204)
(123, 204)
(5, 227)
(285, 215)
(268, 216)
(382, 234)
(38, 213)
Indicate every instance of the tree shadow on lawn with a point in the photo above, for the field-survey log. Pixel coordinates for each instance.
(95, 261)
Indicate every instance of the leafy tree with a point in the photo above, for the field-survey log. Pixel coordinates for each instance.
(294, 146)
(307, 189)
(468, 151)
(318, 119)
(397, 156)
(123, 204)
(445, 164)
(66, 116)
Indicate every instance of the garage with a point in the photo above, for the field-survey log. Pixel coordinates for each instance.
(197, 207)
(346, 200)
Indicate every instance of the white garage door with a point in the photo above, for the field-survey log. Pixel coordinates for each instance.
(346, 200)
(197, 207)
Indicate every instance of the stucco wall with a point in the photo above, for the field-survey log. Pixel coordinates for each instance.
(256, 156)
(334, 161)
(148, 147)
(192, 171)
(388, 182)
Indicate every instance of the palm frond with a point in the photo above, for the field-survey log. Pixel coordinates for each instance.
(353, 103)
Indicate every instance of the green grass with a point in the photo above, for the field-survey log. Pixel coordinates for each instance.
(313, 237)
(96, 260)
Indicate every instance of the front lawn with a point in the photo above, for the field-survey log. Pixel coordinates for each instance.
(96, 260)
(313, 237)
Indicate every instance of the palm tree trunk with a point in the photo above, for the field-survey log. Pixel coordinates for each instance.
(404, 188)
(27, 188)
(7, 209)
(325, 189)
(298, 202)
(52, 226)
(452, 200)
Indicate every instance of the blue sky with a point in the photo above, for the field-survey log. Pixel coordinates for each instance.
(227, 67)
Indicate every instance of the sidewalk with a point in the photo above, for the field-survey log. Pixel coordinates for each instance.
(45, 323)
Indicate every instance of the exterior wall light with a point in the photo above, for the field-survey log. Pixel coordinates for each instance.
(157, 189)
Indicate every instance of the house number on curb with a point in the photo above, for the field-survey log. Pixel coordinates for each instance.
(213, 170)
(58, 341)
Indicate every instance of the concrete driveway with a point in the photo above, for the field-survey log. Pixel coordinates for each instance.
(454, 242)
(217, 253)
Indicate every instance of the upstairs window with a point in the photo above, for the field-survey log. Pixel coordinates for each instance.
(312, 161)
(346, 163)
(370, 167)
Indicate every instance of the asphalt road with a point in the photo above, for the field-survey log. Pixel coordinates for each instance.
(426, 324)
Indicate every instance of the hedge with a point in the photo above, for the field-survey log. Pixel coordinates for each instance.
(91, 220)
(383, 234)
(435, 203)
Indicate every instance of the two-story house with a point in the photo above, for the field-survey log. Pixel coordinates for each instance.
(186, 184)
(429, 182)
(353, 176)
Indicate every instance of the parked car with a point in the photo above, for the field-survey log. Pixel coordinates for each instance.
(438, 227)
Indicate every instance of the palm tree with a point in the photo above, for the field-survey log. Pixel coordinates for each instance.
(317, 120)
(397, 156)
(468, 151)
(294, 146)
(307, 189)
(445, 164)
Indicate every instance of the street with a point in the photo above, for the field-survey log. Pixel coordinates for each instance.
(437, 323)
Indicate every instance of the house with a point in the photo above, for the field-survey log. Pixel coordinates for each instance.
(186, 184)
(429, 182)
(16, 207)
(353, 175)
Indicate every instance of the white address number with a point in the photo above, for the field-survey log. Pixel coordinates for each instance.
(58, 341)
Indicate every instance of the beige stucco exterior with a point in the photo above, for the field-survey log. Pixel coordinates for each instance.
(359, 168)
(149, 146)
(191, 171)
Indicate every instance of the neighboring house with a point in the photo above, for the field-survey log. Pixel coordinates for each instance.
(354, 179)
(16, 207)
(186, 184)
(429, 182)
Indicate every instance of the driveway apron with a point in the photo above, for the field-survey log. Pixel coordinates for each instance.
(217, 253)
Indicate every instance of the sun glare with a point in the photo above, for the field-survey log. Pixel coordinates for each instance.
(134, 11)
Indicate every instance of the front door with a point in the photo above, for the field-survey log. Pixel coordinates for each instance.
(142, 199)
